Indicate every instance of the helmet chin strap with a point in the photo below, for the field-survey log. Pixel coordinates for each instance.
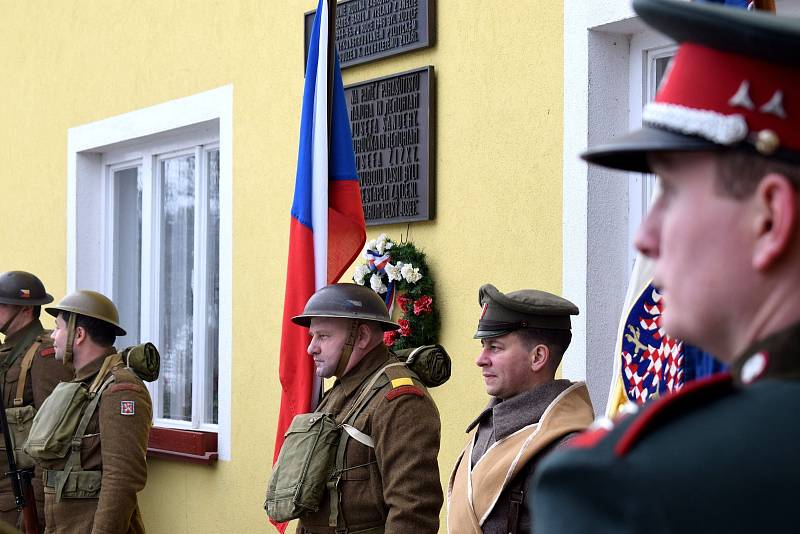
(70, 339)
(347, 349)
(5, 326)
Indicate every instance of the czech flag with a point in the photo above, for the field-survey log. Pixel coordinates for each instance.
(327, 230)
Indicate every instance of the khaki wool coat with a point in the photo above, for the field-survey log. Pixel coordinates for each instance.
(116, 444)
(394, 486)
(43, 376)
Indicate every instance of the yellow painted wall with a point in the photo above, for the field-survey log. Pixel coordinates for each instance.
(498, 160)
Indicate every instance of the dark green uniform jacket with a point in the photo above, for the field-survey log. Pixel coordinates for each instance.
(718, 456)
(396, 485)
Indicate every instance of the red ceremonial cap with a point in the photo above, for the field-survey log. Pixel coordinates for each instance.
(734, 83)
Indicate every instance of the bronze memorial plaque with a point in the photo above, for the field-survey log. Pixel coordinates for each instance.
(393, 133)
(367, 30)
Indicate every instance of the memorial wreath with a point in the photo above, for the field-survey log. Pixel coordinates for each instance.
(399, 273)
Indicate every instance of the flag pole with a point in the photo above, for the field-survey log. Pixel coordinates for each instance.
(331, 60)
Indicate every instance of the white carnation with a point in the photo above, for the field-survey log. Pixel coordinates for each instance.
(393, 272)
(377, 285)
(411, 273)
(361, 272)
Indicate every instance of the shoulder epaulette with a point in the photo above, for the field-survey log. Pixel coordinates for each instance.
(692, 393)
(125, 387)
(124, 374)
(401, 382)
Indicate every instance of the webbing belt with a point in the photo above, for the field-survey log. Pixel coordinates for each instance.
(25, 366)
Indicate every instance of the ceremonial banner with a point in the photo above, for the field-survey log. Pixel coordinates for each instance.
(649, 363)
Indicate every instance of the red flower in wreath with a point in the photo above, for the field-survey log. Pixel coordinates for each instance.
(405, 327)
(404, 302)
(423, 305)
(390, 337)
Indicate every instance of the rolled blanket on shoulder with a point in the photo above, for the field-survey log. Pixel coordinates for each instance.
(430, 362)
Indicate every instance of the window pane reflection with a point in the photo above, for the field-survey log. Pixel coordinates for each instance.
(212, 290)
(128, 252)
(176, 295)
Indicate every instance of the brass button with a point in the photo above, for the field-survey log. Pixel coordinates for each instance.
(767, 142)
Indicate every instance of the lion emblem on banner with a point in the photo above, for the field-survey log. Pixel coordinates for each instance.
(652, 362)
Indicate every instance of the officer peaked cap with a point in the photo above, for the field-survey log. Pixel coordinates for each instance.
(528, 308)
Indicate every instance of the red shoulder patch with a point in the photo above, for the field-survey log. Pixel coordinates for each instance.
(124, 387)
(587, 439)
(663, 406)
(49, 351)
(404, 390)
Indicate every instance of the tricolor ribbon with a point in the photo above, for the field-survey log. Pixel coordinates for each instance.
(377, 263)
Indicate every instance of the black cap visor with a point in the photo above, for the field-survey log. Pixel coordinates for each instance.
(629, 152)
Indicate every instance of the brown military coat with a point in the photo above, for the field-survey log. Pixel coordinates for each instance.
(394, 486)
(43, 376)
(121, 424)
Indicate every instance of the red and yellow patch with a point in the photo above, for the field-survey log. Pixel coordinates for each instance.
(403, 386)
(49, 351)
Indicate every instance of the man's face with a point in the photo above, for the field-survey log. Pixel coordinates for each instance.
(702, 246)
(328, 336)
(59, 336)
(506, 366)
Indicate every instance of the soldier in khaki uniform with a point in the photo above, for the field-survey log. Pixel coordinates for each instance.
(391, 485)
(27, 366)
(99, 494)
(524, 335)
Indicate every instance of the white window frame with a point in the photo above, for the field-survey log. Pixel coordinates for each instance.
(645, 49)
(187, 143)
(89, 259)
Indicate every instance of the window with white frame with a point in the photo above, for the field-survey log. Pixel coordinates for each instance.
(162, 203)
(149, 223)
(650, 59)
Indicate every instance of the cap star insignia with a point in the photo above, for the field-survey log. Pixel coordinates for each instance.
(775, 105)
(742, 97)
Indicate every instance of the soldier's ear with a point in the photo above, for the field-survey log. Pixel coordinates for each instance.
(363, 336)
(540, 356)
(80, 336)
(775, 220)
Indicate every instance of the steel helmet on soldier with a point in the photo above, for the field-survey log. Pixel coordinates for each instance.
(346, 301)
(21, 288)
(91, 304)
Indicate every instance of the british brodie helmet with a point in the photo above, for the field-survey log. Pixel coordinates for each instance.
(21, 288)
(346, 301)
(91, 304)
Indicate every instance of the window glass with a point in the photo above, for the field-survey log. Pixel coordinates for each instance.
(127, 246)
(212, 291)
(175, 288)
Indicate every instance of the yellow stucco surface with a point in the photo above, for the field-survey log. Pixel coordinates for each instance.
(498, 181)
